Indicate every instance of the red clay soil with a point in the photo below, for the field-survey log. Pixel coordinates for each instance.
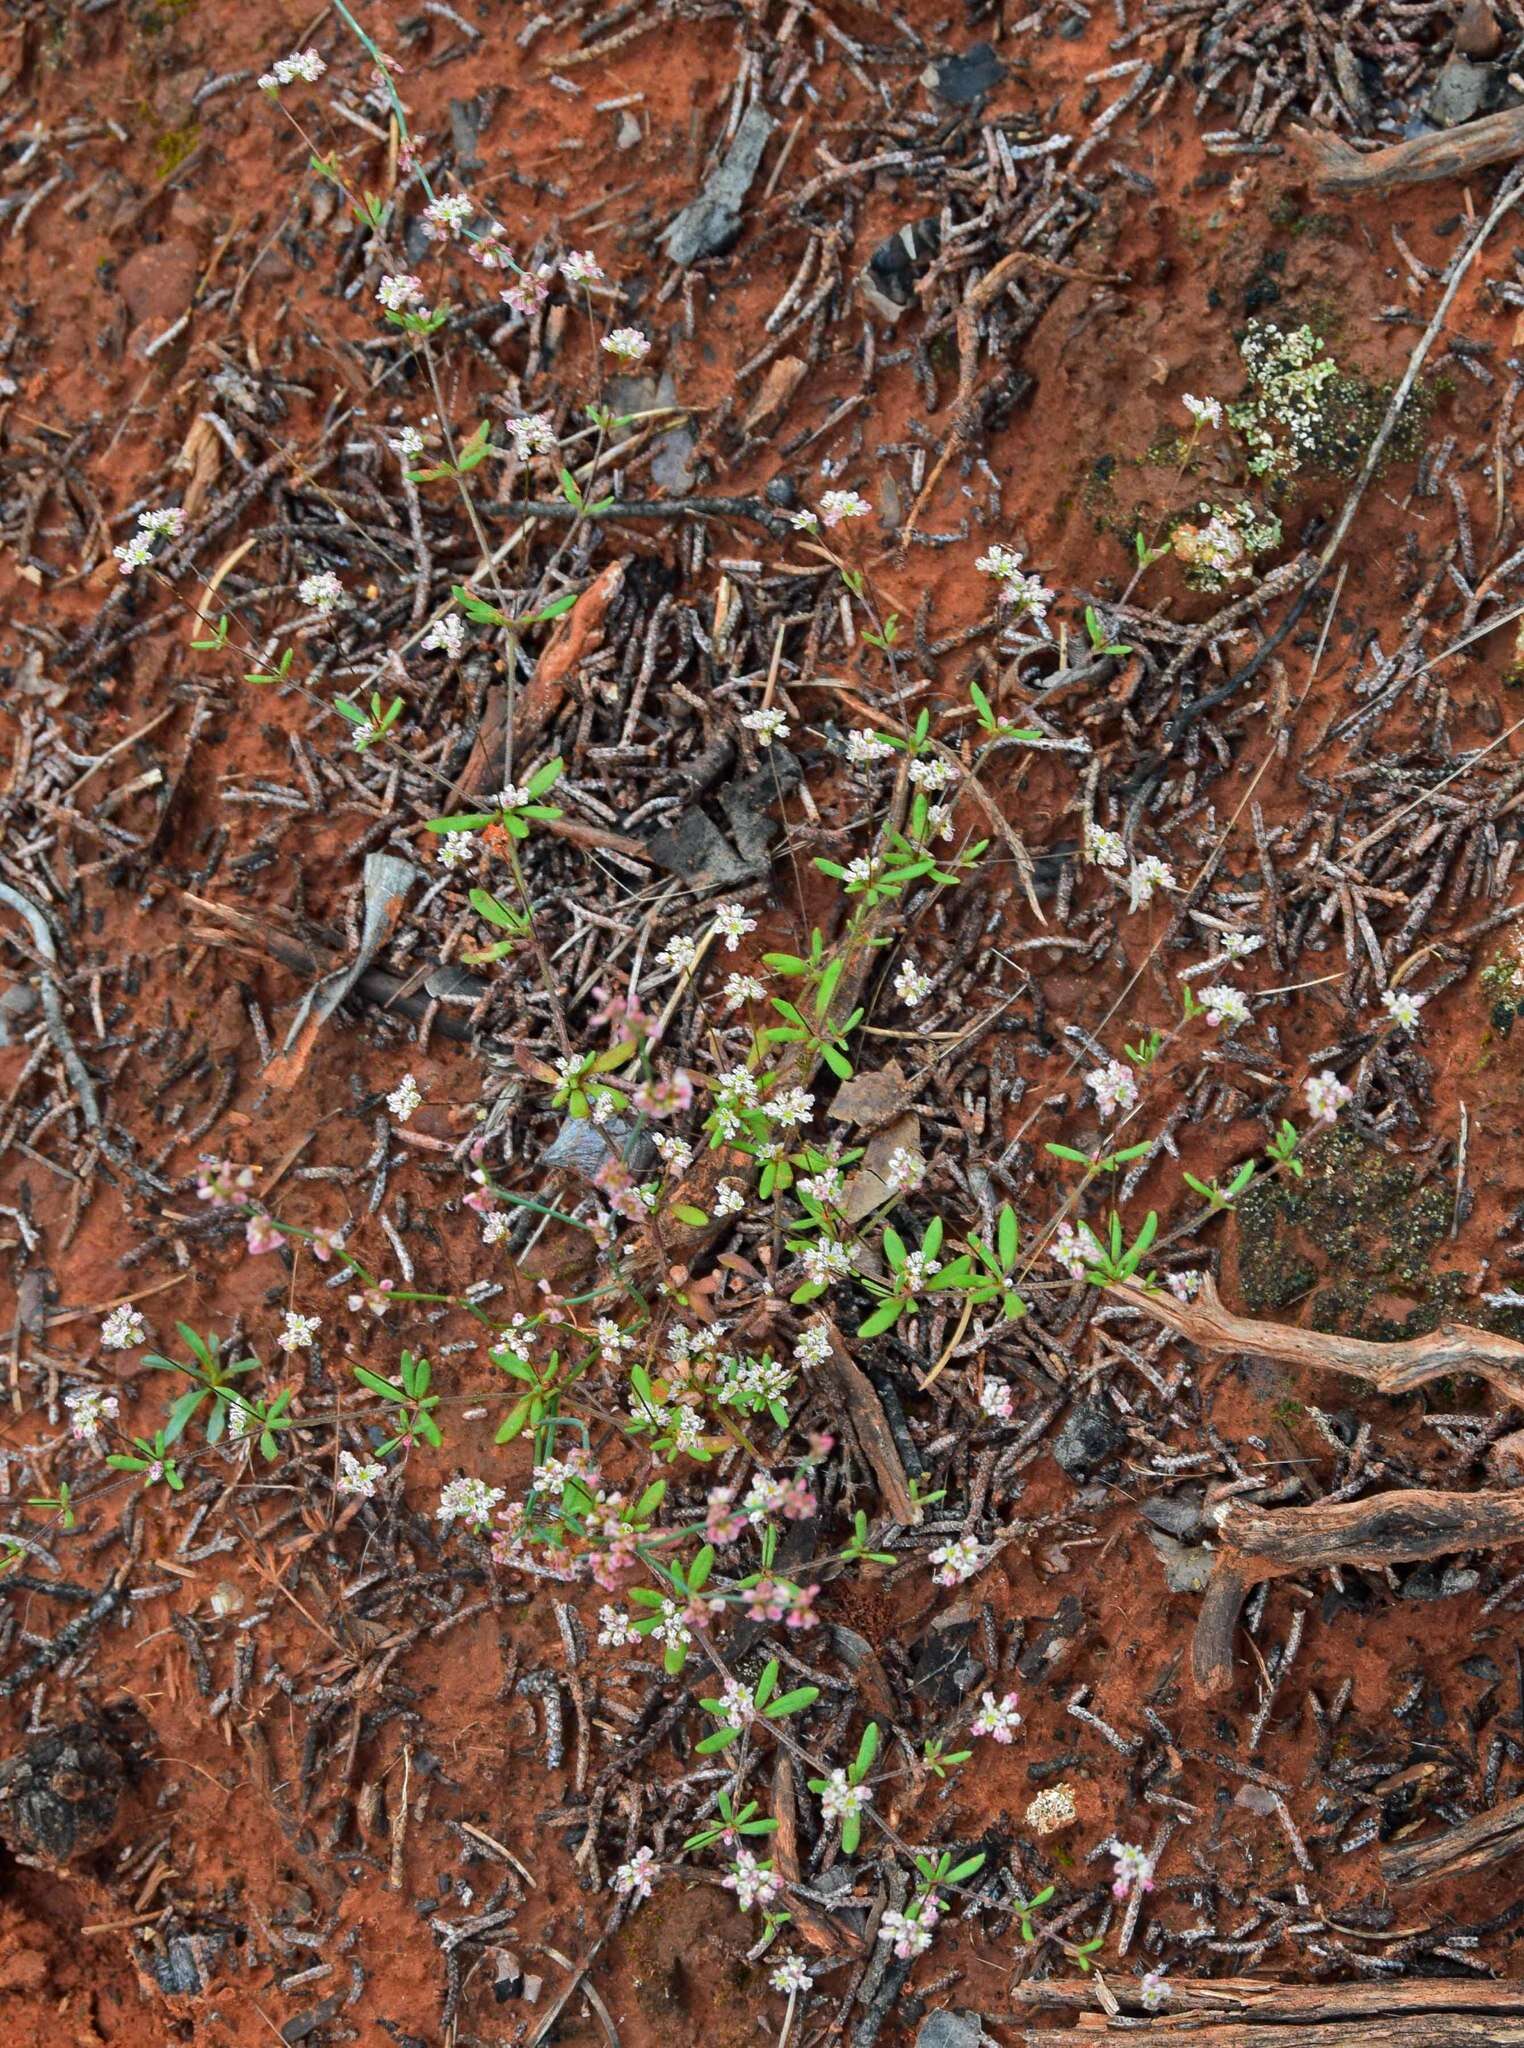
(315, 1898)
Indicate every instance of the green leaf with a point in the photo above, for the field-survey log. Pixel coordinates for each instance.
(884, 1317)
(793, 1702)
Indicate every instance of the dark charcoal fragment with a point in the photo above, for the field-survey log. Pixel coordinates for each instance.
(943, 1667)
(1087, 1440)
(59, 1795)
(966, 80)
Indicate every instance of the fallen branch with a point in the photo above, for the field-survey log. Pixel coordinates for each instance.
(1251, 1999)
(1436, 2030)
(1473, 1845)
(1390, 1528)
(1451, 153)
(1392, 1369)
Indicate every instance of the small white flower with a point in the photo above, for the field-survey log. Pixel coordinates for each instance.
(300, 64)
(513, 796)
(730, 1199)
(399, 291)
(996, 1401)
(123, 1329)
(957, 1561)
(355, 1477)
(1070, 1250)
(1205, 411)
(88, 1408)
(835, 506)
(468, 1500)
(1001, 563)
(1153, 1992)
(497, 1227)
(1403, 1007)
(532, 434)
(910, 1938)
(627, 345)
(581, 267)
(905, 1171)
(298, 1332)
(769, 725)
(679, 953)
(1185, 1286)
(322, 590)
(825, 1260)
(932, 775)
(791, 1976)
(732, 923)
(1133, 1870)
(864, 747)
(455, 847)
(676, 1153)
(1027, 594)
(1113, 1087)
(1105, 848)
(910, 984)
(408, 444)
(813, 1346)
(404, 1099)
(1239, 945)
(1147, 875)
(752, 1883)
(633, 1880)
(1326, 1096)
(446, 216)
(162, 522)
(448, 634)
(135, 553)
(790, 1107)
(803, 522)
(841, 1800)
(997, 1718)
(616, 1631)
(740, 989)
(1225, 1005)
(826, 1187)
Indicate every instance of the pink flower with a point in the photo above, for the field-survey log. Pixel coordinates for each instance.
(766, 1600)
(261, 1235)
(374, 1300)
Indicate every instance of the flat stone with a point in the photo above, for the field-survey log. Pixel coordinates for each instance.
(949, 2030)
(711, 223)
(1186, 1568)
(1178, 1515)
(1463, 91)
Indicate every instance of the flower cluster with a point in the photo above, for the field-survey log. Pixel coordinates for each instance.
(123, 1329)
(305, 64)
(159, 522)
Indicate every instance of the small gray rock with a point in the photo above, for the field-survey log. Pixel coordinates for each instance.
(712, 222)
(1178, 1515)
(1186, 1569)
(1464, 90)
(948, 2029)
(585, 1148)
(1087, 1440)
